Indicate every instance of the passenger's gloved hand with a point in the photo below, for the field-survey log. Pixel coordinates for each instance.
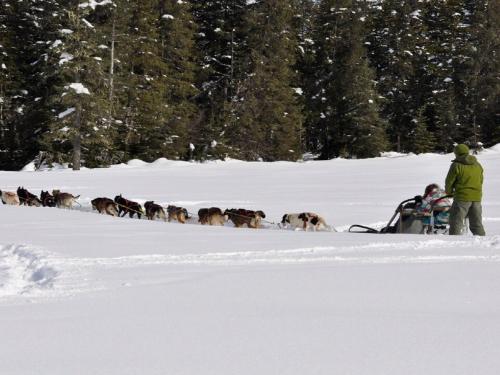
(418, 199)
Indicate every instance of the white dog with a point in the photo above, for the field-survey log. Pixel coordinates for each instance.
(304, 221)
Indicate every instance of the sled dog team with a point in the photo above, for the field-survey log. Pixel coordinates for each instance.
(121, 206)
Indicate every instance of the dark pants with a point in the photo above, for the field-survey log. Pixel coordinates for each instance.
(460, 211)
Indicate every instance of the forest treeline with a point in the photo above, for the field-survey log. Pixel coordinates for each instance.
(100, 82)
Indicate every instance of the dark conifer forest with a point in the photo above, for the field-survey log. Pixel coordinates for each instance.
(93, 83)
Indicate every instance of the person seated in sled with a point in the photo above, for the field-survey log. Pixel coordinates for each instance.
(434, 201)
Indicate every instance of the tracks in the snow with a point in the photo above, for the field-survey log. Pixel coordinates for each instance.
(25, 271)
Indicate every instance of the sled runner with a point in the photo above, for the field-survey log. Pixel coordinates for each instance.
(413, 216)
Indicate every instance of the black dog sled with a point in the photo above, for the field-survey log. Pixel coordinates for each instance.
(409, 219)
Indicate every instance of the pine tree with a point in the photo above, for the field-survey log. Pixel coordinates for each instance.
(144, 133)
(446, 47)
(346, 101)
(445, 117)
(79, 125)
(398, 45)
(222, 46)
(424, 140)
(8, 78)
(478, 71)
(158, 79)
(177, 37)
(304, 26)
(39, 43)
(268, 114)
(19, 32)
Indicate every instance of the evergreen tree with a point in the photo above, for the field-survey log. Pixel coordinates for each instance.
(158, 79)
(268, 114)
(445, 117)
(479, 88)
(9, 143)
(447, 48)
(424, 140)
(79, 126)
(304, 25)
(346, 101)
(39, 43)
(144, 134)
(177, 38)
(397, 44)
(19, 35)
(222, 46)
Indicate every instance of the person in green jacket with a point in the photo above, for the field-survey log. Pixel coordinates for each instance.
(465, 183)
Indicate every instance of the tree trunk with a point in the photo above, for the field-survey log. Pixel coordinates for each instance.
(112, 68)
(77, 139)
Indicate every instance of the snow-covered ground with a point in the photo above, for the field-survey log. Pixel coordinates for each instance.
(82, 293)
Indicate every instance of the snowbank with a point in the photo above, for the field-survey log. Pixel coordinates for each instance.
(163, 162)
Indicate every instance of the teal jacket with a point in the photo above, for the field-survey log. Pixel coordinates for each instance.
(465, 179)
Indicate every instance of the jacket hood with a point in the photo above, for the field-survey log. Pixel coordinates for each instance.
(466, 159)
(460, 150)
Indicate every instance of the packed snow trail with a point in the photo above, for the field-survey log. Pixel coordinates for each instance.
(26, 272)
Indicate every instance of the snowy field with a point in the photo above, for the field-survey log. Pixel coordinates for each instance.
(82, 293)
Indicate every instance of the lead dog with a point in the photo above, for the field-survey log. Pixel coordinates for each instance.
(154, 210)
(28, 199)
(177, 213)
(240, 217)
(128, 207)
(304, 220)
(9, 198)
(64, 200)
(211, 216)
(104, 206)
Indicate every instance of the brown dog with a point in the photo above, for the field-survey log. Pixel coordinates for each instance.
(128, 207)
(240, 217)
(105, 206)
(211, 216)
(64, 200)
(28, 199)
(177, 213)
(9, 198)
(154, 210)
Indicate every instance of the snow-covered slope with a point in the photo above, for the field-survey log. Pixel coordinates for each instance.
(82, 293)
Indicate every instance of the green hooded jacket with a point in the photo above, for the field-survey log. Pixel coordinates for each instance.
(465, 177)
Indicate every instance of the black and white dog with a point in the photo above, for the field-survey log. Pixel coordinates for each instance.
(304, 220)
